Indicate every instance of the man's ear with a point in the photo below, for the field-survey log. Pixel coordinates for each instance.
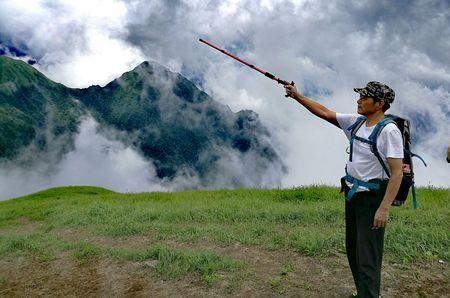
(380, 103)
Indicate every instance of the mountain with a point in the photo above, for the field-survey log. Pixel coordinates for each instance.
(180, 128)
(28, 102)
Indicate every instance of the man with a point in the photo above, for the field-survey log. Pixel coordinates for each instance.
(366, 212)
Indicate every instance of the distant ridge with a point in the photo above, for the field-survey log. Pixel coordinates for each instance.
(180, 128)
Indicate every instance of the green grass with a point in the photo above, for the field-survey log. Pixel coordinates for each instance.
(3, 280)
(39, 245)
(168, 262)
(176, 263)
(307, 220)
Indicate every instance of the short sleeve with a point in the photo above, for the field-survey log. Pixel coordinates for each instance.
(391, 142)
(345, 121)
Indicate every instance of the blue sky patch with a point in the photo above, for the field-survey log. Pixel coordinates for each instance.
(16, 52)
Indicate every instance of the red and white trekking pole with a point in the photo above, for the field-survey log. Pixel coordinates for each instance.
(267, 74)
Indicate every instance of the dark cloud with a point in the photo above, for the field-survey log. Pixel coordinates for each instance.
(160, 30)
(389, 31)
(421, 26)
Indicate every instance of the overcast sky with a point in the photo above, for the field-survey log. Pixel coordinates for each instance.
(326, 47)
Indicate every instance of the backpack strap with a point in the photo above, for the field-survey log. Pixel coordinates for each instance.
(413, 191)
(415, 155)
(374, 136)
(354, 128)
(357, 122)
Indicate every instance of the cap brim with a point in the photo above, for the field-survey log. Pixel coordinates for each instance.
(362, 91)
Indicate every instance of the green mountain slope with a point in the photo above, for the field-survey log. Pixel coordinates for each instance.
(173, 122)
(160, 113)
(30, 103)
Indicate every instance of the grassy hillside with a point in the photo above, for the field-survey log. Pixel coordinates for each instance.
(215, 241)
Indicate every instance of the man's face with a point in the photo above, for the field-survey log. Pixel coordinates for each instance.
(367, 106)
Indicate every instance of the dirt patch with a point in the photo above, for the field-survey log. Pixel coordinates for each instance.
(283, 272)
(264, 273)
(25, 226)
(134, 242)
(421, 280)
(65, 278)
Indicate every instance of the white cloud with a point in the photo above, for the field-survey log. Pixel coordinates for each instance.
(77, 43)
(96, 160)
(328, 46)
(103, 60)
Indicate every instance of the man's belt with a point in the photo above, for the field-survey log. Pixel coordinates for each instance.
(356, 183)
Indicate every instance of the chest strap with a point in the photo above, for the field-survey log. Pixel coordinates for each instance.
(357, 183)
(353, 128)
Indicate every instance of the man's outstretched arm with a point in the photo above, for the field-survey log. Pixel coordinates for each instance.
(312, 106)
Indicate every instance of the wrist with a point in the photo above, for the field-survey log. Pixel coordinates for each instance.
(298, 96)
(385, 206)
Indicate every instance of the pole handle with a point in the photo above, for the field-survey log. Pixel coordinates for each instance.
(284, 83)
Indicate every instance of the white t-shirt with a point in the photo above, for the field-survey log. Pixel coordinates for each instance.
(365, 165)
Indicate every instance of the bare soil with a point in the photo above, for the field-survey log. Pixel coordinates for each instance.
(264, 274)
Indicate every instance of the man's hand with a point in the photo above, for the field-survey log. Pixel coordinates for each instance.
(290, 90)
(381, 218)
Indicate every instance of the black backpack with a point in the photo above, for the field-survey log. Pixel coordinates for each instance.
(408, 173)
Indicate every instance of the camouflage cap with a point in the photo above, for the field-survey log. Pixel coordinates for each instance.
(377, 90)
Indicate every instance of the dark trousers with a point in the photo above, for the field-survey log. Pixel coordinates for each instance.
(363, 244)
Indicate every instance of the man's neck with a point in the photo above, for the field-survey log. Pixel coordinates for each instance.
(374, 118)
